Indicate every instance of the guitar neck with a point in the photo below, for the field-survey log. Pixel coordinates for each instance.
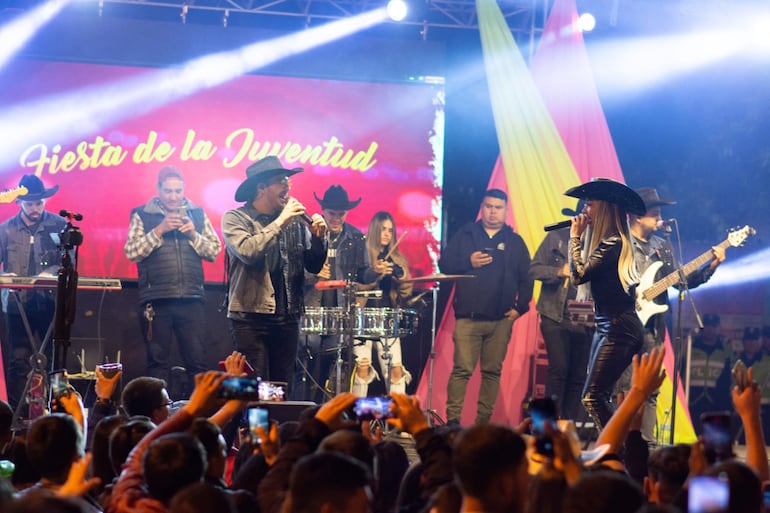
(690, 267)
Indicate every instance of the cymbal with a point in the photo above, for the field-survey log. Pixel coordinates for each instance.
(439, 277)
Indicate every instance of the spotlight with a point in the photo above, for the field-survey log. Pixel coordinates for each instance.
(225, 18)
(397, 9)
(586, 22)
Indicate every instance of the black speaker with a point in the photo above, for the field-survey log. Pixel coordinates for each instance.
(283, 411)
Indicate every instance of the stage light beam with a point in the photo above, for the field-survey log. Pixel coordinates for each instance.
(67, 117)
(15, 34)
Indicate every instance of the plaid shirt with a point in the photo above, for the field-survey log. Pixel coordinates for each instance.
(141, 244)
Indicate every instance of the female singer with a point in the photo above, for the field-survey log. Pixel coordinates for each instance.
(380, 240)
(608, 266)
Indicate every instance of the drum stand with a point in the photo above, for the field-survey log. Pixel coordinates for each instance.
(349, 294)
(433, 417)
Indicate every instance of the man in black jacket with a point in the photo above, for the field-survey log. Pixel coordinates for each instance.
(487, 306)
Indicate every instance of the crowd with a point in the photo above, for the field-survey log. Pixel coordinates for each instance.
(139, 457)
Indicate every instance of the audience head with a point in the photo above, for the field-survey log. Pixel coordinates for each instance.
(148, 397)
(447, 499)
(210, 437)
(24, 474)
(47, 501)
(745, 486)
(172, 462)
(546, 491)
(490, 465)
(391, 463)
(54, 442)
(101, 464)
(350, 443)
(667, 470)
(200, 498)
(603, 492)
(330, 482)
(125, 437)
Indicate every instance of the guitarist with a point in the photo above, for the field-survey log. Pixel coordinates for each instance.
(649, 248)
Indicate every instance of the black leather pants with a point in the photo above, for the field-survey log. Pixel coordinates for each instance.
(616, 340)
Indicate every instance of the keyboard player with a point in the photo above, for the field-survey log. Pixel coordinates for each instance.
(28, 246)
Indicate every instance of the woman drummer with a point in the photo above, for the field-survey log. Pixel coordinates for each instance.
(385, 256)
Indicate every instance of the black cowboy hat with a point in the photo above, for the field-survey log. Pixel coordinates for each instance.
(35, 188)
(651, 199)
(336, 198)
(612, 192)
(259, 172)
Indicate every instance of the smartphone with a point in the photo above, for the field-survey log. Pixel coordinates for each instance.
(488, 251)
(247, 367)
(240, 388)
(740, 375)
(257, 417)
(272, 391)
(708, 495)
(717, 439)
(542, 410)
(373, 408)
(59, 384)
(766, 496)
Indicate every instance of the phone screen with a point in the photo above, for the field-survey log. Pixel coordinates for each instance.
(257, 417)
(59, 384)
(542, 410)
(708, 495)
(373, 408)
(272, 391)
(717, 439)
(239, 388)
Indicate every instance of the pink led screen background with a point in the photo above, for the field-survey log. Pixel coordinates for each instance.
(393, 133)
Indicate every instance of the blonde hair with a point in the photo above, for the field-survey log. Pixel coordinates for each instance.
(608, 219)
(374, 232)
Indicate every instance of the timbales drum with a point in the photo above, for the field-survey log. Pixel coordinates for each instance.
(322, 320)
(384, 322)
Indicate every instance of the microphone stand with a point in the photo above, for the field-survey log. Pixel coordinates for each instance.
(677, 344)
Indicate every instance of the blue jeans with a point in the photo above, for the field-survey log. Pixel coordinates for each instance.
(475, 341)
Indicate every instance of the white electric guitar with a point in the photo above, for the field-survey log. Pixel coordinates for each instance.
(647, 291)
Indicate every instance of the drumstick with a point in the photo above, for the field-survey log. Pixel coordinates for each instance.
(390, 253)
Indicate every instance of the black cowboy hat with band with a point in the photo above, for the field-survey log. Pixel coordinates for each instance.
(35, 188)
(651, 199)
(610, 191)
(260, 172)
(336, 198)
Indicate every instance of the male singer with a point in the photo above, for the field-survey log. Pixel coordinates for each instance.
(28, 247)
(168, 238)
(270, 246)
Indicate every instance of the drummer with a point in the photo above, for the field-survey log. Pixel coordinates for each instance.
(393, 267)
(347, 259)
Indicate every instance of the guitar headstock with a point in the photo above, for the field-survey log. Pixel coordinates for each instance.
(738, 236)
(10, 195)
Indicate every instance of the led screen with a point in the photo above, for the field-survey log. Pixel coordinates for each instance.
(382, 141)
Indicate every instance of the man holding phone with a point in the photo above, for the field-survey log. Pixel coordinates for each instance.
(487, 306)
(168, 238)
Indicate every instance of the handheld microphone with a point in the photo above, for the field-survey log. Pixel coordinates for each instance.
(663, 223)
(306, 218)
(557, 226)
(71, 215)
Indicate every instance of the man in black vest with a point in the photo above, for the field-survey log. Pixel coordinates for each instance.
(168, 237)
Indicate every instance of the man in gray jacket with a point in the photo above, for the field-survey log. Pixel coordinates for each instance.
(566, 343)
(270, 246)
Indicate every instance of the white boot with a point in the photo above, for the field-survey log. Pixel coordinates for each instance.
(399, 386)
(361, 385)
